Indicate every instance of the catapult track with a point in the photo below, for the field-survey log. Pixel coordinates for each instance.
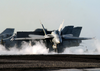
(35, 62)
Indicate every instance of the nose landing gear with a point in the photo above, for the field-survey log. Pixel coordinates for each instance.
(55, 47)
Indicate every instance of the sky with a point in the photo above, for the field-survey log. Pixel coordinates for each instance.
(25, 15)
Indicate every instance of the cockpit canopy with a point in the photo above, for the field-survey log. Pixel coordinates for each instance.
(56, 31)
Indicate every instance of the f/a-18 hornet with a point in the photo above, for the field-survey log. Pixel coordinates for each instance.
(57, 40)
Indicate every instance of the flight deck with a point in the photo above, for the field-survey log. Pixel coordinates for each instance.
(58, 61)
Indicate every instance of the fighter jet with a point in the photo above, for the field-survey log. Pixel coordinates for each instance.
(58, 39)
(6, 35)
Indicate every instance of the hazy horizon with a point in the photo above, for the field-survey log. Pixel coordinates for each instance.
(25, 14)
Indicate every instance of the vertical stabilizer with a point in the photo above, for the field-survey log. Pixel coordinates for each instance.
(60, 27)
(43, 28)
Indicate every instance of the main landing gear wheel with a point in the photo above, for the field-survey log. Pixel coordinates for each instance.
(2, 42)
(56, 50)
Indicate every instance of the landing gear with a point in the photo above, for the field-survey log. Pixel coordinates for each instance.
(55, 47)
(2, 42)
(56, 50)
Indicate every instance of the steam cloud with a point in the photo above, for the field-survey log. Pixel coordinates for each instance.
(40, 48)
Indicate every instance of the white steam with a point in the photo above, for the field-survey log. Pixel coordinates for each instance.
(40, 48)
(92, 48)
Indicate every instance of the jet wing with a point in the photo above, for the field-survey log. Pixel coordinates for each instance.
(36, 36)
(21, 39)
(75, 38)
(33, 37)
(40, 36)
(30, 38)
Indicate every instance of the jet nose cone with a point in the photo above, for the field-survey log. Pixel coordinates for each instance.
(57, 41)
